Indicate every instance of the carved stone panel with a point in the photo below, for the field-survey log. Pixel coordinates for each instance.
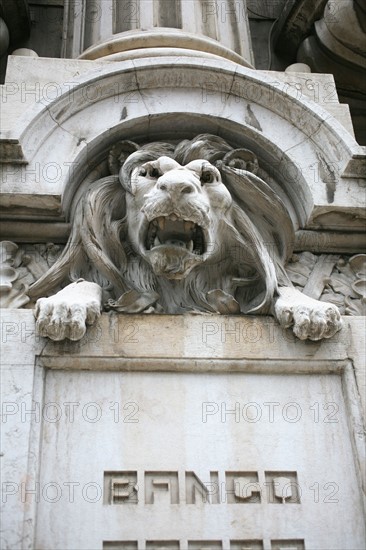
(190, 461)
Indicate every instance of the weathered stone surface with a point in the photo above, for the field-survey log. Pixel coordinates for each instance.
(295, 23)
(109, 29)
(189, 227)
(242, 447)
(20, 266)
(66, 133)
(244, 417)
(335, 279)
(119, 439)
(337, 46)
(19, 450)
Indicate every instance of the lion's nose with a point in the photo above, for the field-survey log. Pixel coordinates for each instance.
(174, 188)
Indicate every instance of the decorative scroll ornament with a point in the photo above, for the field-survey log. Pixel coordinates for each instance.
(340, 280)
(21, 266)
(12, 289)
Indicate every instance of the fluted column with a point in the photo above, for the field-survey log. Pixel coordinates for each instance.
(103, 28)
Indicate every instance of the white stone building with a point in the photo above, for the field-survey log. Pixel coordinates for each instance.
(193, 372)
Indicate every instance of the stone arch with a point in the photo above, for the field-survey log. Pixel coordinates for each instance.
(284, 175)
(73, 131)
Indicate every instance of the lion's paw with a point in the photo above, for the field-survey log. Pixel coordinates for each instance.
(309, 318)
(66, 314)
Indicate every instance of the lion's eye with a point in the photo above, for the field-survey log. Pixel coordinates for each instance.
(142, 172)
(154, 173)
(207, 177)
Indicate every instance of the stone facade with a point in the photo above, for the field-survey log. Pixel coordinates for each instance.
(205, 389)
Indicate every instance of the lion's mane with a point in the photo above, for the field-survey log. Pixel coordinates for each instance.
(254, 233)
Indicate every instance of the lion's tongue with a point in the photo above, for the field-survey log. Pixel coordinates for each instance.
(175, 241)
(172, 262)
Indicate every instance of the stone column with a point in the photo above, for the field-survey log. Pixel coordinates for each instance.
(14, 29)
(338, 46)
(98, 29)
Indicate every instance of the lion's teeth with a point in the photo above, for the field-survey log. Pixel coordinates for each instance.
(173, 217)
(161, 222)
(190, 246)
(188, 226)
(157, 242)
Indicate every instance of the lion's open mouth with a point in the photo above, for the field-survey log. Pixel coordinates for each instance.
(174, 231)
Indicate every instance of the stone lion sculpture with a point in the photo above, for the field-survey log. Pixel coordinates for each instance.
(178, 229)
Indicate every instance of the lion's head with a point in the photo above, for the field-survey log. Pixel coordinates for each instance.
(180, 228)
(174, 214)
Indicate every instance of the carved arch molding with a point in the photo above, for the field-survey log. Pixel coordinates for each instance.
(54, 142)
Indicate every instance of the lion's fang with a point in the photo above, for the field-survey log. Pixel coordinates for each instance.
(190, 246)
(188, 226)
(161, 222)
(157, 242)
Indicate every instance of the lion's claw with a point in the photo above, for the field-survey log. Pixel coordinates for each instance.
(66, 314)
(309, 318)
